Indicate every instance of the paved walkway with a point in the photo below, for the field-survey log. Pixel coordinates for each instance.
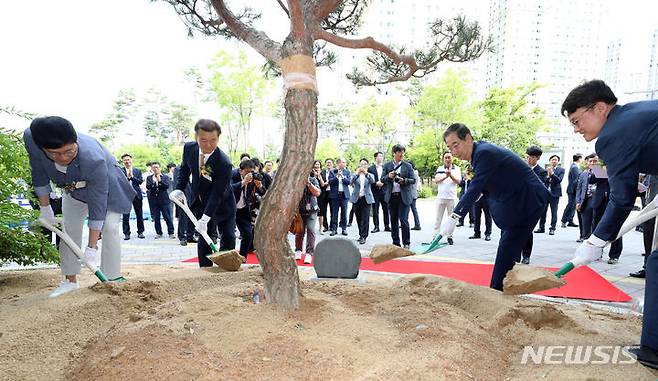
(548, 250)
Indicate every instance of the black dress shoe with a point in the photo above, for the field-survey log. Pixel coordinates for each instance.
(450, 241)
(387, 229)
(344, 232)
(183, 242)
(325, 230)
(362, 241)
(375, 230)
(475, 236)
(141, 235)
(460, 224)
(416, 228)
(540, 231)
(579, 240)
(525, 261)
(551, 232)
(487, 237)
(645, 355)
(572, 225)
(639, 274)
(126, 237)
(333, 233)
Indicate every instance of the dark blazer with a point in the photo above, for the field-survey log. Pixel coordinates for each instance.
(627, 143)
(541, 173)
(407, 172)
(601, 193)
(158, 192)
(333, 183)
(378, 192)
(554, 182)
(214, 194)
(515, 191)
(135, 181)
(574, 173)
(581, 187)
(251, 190)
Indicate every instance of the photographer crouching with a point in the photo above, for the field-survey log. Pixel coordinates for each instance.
(308, 210)
(247, 183)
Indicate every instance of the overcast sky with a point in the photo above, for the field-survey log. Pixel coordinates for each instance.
(71, 58)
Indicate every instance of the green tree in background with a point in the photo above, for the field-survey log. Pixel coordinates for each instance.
(142, 154)
(327, 148)
(375, 122)
(239, 90)
(18, 244)
(333, 120)
(181, 121)
(508, 121)
(123, 108)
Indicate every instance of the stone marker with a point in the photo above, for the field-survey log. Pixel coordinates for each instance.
(382, 253)
(523, 279)
(227, 260)
(336, 258)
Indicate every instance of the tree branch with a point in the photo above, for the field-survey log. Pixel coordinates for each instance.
(324, 7)
(283, 7)
(297, 28)
(258, 40)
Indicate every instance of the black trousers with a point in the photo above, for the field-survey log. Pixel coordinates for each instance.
(362, 210)
(137, 205)
(165, 210)
(185, 227)
(323, 205)
(225, 224)
(587, 216)
(510, 246)
(399, 213)
(616, 246)
(552, 203)
(480, 207)
(647, 237)
(379, 202)
(340, 202)
(414, 212)
(570, 209)
(246, 229)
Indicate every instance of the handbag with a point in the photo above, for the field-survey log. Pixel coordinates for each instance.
(297, 225)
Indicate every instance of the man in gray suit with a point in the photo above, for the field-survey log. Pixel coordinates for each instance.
(95, 188)
(362, 197)
(398, 184)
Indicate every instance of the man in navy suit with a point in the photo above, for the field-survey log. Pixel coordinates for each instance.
(553, 181)
(584, 192)
(212, 200)
(339, 193)
(377, 188)
(627, 143)
(398, 194)
(134, 176)
(533, 154)
(158, 199)
(570, 209)
(516, 195)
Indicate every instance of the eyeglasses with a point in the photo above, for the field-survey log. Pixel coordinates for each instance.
(574, 121)
(68, 153)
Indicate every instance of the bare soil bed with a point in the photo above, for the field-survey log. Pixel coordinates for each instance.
(183, 323)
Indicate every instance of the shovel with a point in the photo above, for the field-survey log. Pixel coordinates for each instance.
(434, 245)
(526, 279)
(215, 256)
(74, 248)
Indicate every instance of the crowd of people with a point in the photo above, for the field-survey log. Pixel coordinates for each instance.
(514, 194)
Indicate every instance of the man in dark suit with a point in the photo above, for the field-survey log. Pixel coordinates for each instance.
(627, 142)
(134, 176)
(212, 200)
(245, 187)
(533, 153)
(398, 181)
(570, 209)
(553, 181)
(339, 194)
(648, 228)
(157, 185)
(600, 199)
(481, 206)
(324, 200)
(185, 229)
(377, 171)
(584, 192)
(516, 195)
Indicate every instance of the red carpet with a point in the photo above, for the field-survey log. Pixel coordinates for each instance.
(582, 282)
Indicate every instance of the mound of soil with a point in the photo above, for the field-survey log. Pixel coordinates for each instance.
(183, 323)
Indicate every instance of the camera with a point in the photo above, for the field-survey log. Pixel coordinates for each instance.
(398, 179)
(335, 170)
(312, 174)
(256, 176)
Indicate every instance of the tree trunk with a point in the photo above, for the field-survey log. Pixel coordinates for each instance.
(281, 201)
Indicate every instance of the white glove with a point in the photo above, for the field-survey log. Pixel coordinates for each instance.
(177, 194)
(202, 225)
(91, 255)
(589, 251)
(48, 215)
(449, 224)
